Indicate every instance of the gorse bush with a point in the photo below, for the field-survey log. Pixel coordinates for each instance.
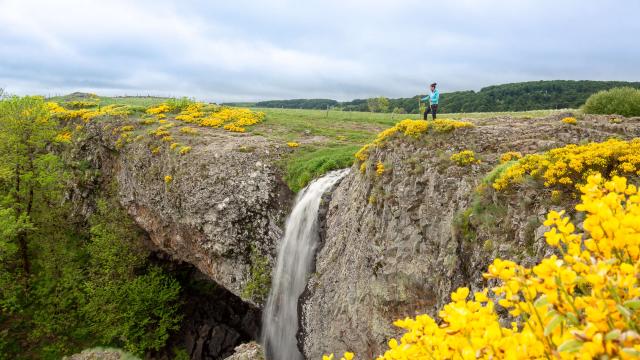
(582, 304)
(464, 158)
(572, 164)
(623, 101)
(411, 128)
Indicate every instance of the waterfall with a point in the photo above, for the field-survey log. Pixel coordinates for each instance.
(295, 256)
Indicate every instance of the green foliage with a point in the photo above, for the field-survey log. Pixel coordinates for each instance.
(259, 284)
(463, 226)
(180, 354)
(179, 104)
(129, 302)
(314, 163)
(63, 288)
(379, 104)
(319, 104)
(623, 101)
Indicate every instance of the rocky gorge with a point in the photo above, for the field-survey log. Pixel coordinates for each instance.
(393, 244)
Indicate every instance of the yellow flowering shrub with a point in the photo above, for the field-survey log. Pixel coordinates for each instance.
(409, 128)
(161, 131)
(379, 168)
(446, 125)
(293, 144)
(509, 156)
(212, 121)
(168, 179)
(149, 121)
(569, 120)
(86, 115)
(188, 130)
(231, 119)
(572, 164)
(234, 128)
(464, 158)
(167, 138)
(582, 304)
(184, 150)
(155, 150)
(79, 104)
(159, 109)
(173, 146)
(363, 153)
(127, 128)
(161, 116)
(413, 128)
(192, 113)
(63, 137)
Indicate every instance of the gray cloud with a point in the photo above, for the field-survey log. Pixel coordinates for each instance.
(248, 50)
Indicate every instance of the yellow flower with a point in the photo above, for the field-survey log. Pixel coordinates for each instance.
(379, 168)
(464, 158)
(569, 120)
(168, 179)
(184, 150)
(293, 144)
(509, 156)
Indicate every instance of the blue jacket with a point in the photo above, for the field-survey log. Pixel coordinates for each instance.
(433, 97)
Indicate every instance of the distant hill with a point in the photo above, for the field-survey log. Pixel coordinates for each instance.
(532, 95)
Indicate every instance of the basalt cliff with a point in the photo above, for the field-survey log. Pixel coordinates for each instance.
(394, 244)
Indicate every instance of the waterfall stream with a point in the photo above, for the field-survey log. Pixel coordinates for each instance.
(295, 256)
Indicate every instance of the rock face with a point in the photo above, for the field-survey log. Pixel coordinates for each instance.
(101, 354)
(222, 198)
(393, 247)
(248, 351)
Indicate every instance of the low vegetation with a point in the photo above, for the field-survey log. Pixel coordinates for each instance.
(623, 101)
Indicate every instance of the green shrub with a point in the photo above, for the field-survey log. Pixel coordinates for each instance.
(623, 101)
(179, 104)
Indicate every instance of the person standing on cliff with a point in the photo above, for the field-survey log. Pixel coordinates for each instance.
(432, 102)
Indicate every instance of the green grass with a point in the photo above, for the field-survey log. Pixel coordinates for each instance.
(132, 101)
(308, 164)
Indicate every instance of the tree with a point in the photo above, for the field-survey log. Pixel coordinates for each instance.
(379, 104)
(129, 302)
(29, 174)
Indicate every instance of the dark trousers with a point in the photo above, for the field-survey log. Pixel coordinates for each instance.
(433, 109)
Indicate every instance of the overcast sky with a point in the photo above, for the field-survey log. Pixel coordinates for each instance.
(255, 50)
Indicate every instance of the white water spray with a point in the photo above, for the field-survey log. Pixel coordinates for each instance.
(297, 250)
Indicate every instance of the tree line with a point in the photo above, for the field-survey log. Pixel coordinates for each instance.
(523, 96)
